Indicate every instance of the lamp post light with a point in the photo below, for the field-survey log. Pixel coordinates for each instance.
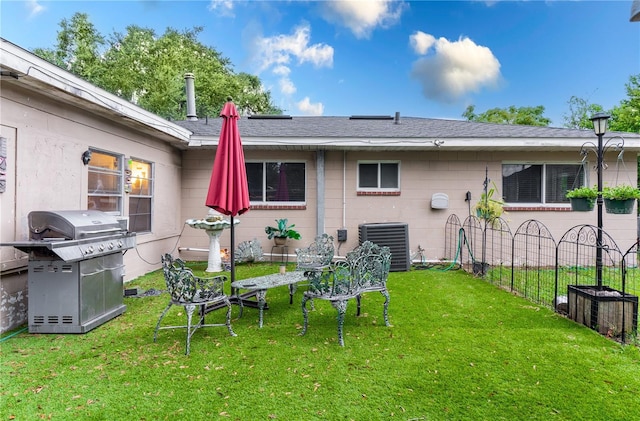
(600, 128)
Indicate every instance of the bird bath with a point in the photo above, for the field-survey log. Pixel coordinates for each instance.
(213, 225)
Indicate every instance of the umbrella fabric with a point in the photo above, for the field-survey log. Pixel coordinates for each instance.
(228, 189)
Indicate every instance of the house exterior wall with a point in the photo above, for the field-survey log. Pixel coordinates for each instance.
(196, 175)
(423, 173)
(45, 141)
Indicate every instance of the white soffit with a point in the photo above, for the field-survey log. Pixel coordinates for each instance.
(34, 69)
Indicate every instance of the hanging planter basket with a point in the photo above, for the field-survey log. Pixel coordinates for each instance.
(619, 206)
(581, 204)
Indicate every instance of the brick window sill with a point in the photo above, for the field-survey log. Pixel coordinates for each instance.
(378, 193)
(278, 207)
(537, 209)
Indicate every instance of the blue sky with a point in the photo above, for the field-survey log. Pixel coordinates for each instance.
(420, 58)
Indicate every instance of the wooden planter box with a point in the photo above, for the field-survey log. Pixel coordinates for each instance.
(603, 309)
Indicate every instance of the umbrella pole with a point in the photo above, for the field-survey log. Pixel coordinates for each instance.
(233, 257)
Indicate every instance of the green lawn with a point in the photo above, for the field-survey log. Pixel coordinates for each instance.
(459, 349)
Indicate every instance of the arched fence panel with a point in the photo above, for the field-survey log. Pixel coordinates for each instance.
(563, 275)
(471, 246)
(533, 263)
(452, 237)
(576, 261)
(630, 290)
(498, 246)
(591, 269)
(631, 271)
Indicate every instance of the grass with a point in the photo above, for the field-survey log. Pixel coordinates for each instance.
(539, 285)
(459, 349)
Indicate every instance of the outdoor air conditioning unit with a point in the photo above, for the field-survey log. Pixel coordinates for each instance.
(394, 235)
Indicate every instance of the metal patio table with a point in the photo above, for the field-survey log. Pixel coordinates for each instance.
(261, 284)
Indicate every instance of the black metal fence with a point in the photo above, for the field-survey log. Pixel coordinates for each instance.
(564, 275)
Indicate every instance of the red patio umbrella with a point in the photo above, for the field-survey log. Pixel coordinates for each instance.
(228, 189)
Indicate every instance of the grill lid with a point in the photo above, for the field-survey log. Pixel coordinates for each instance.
(71, 224)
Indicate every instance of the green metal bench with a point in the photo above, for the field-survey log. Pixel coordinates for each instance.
(365, 269)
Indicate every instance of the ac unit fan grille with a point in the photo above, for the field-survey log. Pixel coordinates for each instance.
(393, 235)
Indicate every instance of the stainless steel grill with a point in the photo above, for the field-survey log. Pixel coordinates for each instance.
(76, 269)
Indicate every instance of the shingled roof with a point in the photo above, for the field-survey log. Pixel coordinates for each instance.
(386, 132)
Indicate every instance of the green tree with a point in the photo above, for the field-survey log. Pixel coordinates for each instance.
(625, 117)
(527, 116)
(580, 112)
(77, 48)
(149, 70)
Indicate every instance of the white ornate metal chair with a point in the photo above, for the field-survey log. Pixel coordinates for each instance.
(189, 291)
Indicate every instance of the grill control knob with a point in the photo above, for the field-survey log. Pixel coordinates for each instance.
(120, 244)
(101, 247)
(90, 250)
(110, 246)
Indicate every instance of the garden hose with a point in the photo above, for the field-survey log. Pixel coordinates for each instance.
(13, 334)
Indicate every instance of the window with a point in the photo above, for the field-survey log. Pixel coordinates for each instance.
(276, 181)
(141, 192)
(540, 183)
(378, 176)
(105, 182)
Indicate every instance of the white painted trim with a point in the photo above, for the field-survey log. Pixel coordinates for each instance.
(31, 67)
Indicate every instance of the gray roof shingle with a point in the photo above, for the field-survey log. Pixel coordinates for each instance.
(407, 127)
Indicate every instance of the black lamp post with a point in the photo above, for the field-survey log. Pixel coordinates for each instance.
(600, 128)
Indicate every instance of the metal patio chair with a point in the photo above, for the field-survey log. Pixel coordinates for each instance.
(190, 291)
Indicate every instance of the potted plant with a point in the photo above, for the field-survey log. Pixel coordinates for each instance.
(582, 198)
(620, 199)
(282, 231)
(488, 207)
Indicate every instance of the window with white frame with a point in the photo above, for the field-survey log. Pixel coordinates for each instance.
(105, 182)
(140, 195)
(276, 181)
(540, 183)
(378, 176)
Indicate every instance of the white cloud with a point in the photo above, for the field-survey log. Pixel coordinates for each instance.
(306, 107)
(223, 7)
(276, 54)
(363, 16)
(455, 69)
(286, 86)
(281, 49)
(34, 7)
(421, 42)
(281, 70)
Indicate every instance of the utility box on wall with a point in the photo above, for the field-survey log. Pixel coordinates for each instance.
(394, 235)
(439, 201)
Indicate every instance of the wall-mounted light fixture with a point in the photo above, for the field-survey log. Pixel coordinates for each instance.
(86, 157)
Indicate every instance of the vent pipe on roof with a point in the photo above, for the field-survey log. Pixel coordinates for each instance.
(191, 97)
(397, 119)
